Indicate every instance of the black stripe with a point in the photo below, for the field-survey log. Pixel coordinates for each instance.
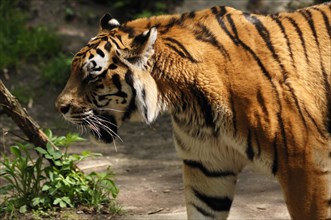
(103, 74)
(191, 14)
(112, 66)
(91, 56)
(249, 149)
(265, 35)
(214, 10)
(119, 37)
(178, 121)
(328, 27)
(220, 204)
(183, 17)
(202, 211)
(97, 68)
(274, 167)
(117, 82)
(275, 18)
(93, 45)
(183, 53)
(186, 15)
(308, 16)
(180, 53)
(114, 41)
(300, 34)
(260, 100)
(234, 114)
(204, 105)
(296, 101)
(202, 33)
(143, 94)
(94, 64)
(326, 21)
(107, 46)
(233, 28)
(282, 130)
(257, 144)
(172, 22)
(128, 30)
(95, 102)
(180, 143)
(132, 107)
(100, 52)
(237, 41)
(205, 171)
(282, 28)
(315, 123)
(222, 11)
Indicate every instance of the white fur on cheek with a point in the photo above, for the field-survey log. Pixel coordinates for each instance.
(147, 96)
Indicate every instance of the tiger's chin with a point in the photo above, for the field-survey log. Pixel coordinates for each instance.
(105, 131)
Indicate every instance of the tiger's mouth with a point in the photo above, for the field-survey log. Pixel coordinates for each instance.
(105, 128)
(102, 126)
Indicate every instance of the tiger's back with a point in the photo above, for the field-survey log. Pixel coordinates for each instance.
(241, 88)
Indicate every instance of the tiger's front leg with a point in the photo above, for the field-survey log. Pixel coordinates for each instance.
(208, 194)
(210, 175)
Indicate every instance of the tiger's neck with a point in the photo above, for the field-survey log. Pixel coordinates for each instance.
(173, 76)
(179, 67)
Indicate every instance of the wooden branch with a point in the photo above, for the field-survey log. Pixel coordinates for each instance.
(13, 108)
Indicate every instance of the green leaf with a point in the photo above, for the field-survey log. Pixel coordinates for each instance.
(63, 204)
(23, 209)
(57, 201)
(67, 200)
(57, 155)
(50, 148)
(16, 151)
(48, 133)
(48, 156)
(85, 153)
(45, 187)
(36, 201)
(41, 150)
(58, 163)
(5, 189)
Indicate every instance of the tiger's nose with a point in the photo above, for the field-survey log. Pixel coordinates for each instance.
(64, 108)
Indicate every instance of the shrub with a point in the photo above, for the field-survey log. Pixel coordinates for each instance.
(56, 71)
(19, 43)
(30, 185)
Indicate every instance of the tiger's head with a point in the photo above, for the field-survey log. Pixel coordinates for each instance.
(110, 81)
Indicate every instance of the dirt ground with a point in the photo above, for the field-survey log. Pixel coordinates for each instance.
(148, 172)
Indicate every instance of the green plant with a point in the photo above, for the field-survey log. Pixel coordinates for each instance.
(56, 71)
(32, 185)
(23, 176)
(21, 43)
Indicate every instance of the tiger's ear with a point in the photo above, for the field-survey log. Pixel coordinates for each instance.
(107, 22)
(142, 49)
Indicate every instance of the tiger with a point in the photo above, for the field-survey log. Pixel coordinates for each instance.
(240, 88)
